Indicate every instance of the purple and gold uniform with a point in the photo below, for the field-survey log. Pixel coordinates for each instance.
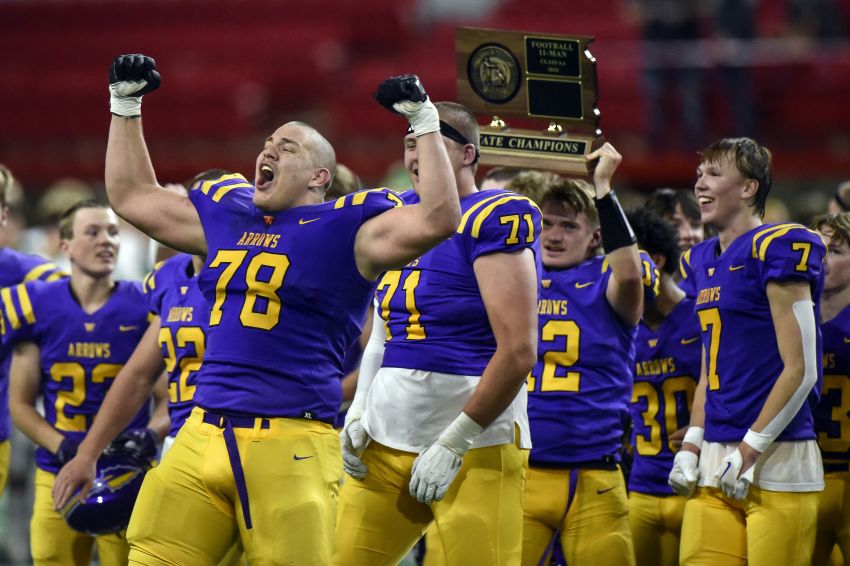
(15, 268)
(80, 355)
(667, 367)
(438, 343)
(286, 301)
(173, 295)
(435, 317)
(732, 307)
(578, 405)
(776, 522)
(832, 425)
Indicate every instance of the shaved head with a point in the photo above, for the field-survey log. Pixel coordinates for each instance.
(320, 149)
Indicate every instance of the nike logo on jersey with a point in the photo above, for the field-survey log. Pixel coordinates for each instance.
(686, 341)
(89, 326)
(583, 285)
(601, 491)
(735, 267)
(297, 457)
(302, 221)
(123, 328)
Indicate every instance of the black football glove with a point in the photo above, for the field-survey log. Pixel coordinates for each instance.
(405, 95)
(67, 450)
(131, 77)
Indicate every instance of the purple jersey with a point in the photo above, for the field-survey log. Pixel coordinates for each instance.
(738, 337)
(579, 390)
(80, 353)
(435, 317)
(832, 414)
(15, 268)
(286, 300)
(667, 366)
(173, 295)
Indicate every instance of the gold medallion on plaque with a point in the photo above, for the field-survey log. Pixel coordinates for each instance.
(494, 73)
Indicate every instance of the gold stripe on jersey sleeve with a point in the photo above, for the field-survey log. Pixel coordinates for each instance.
(26, 304)
(685, 259)
(776, 234)
(219, 194)
(9, 308)
(359, 198)
(207, 186)
(762, 233)
(38, 271)
(56, 276)
(479, 220)
(473, 209)
(149, 282)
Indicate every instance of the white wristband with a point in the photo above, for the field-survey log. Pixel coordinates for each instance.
(459, 436)
(127, 106)
(759, 441)
(694, 435)
(423, 116)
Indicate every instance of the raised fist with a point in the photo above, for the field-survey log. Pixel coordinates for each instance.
(400, 89)
(405, 95)
(131, 77)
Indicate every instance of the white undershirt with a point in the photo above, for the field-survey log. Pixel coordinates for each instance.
(407, 409)
(785, 466)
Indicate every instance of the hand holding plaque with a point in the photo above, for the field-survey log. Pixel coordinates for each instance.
(527, 75)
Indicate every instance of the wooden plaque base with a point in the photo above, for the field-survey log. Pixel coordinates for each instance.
(533, 149)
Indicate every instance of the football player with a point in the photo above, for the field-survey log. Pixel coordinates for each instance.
(71, 338)
(579, 390)
(666, 370)
(289, 280)
(15, 268)
(750, 451)
(832, 411)
(454, 338)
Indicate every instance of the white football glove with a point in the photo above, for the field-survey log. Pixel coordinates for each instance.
(435, 469)
(727, 476)
(353, 438)
(685, 473)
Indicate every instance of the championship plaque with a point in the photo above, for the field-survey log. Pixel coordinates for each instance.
(510, 74)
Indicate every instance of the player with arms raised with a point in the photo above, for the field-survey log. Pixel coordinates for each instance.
(454, 337)
(751, 445)
(579, 390)
(289, 280)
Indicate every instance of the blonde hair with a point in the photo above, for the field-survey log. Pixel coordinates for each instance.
(533, 183)
(576, 194)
